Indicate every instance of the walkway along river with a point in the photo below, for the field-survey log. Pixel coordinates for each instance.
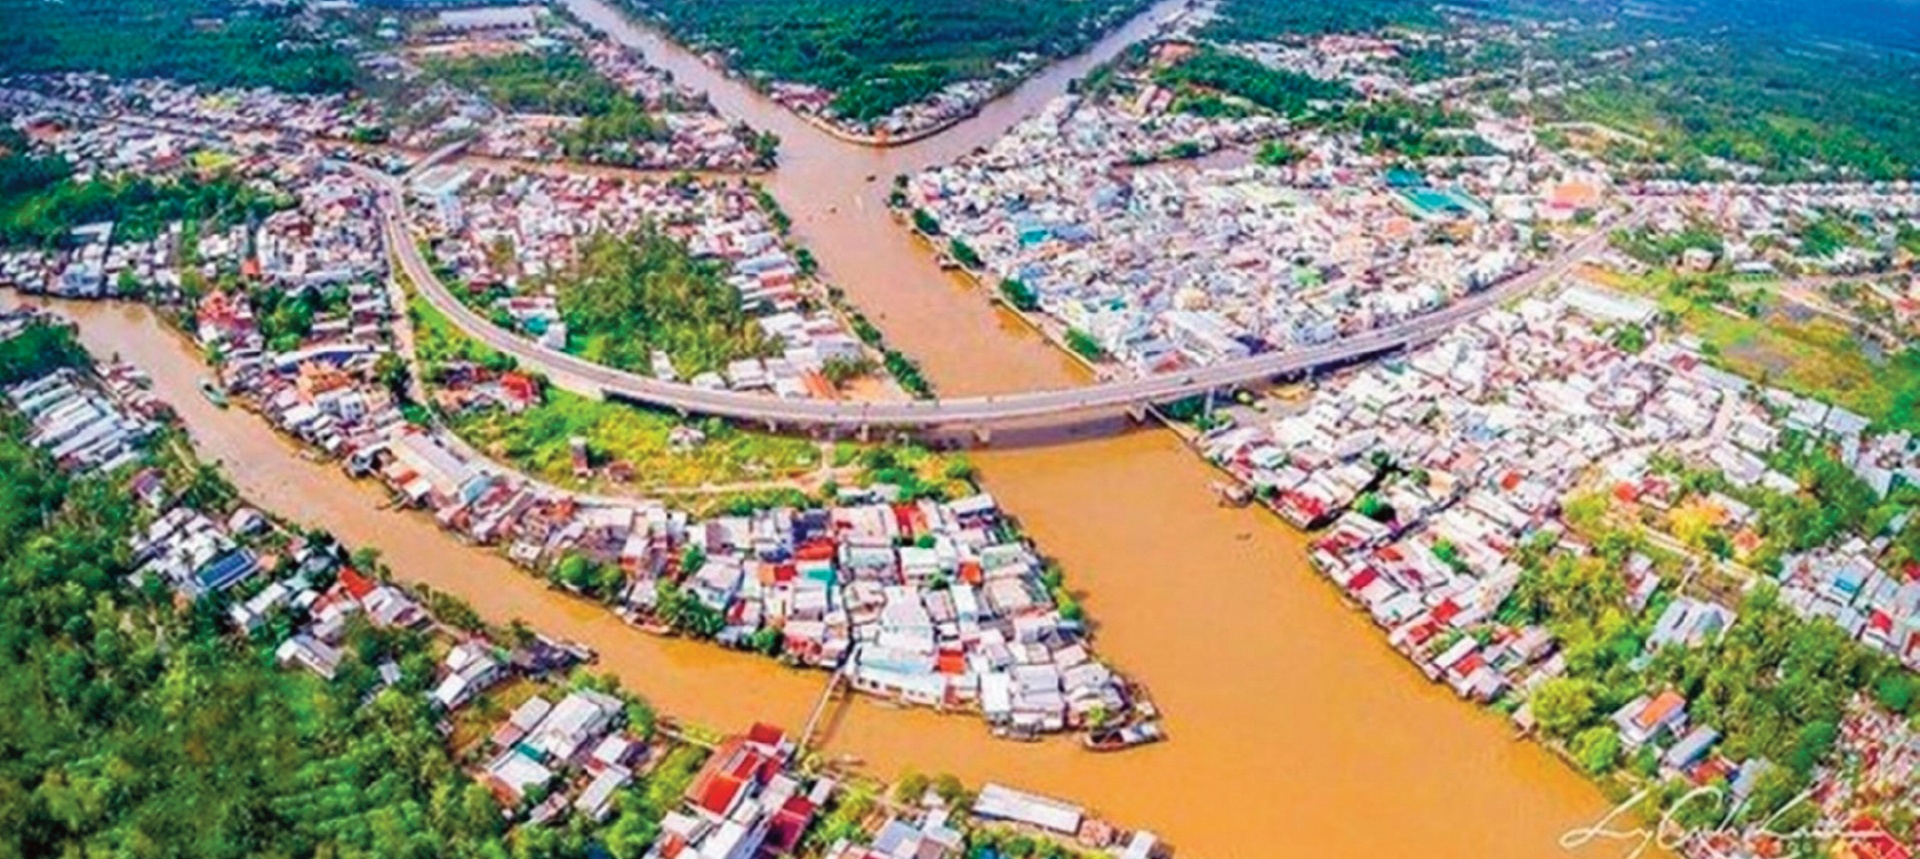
(1295, 730)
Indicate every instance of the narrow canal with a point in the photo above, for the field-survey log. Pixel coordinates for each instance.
(1295, 730)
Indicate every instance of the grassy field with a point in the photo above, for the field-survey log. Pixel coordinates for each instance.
(537, 440)
(733, 468)
(1799, 351)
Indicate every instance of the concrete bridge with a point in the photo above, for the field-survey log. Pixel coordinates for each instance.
(979, 414)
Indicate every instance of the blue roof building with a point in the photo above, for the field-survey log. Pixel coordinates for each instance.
(225, 571)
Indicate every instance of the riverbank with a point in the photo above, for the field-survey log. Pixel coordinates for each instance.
(456, 670)
(724, 688)
(1272, 688)
(1039, 323)
(1295, 732)
(961, 59)
(845, 135)
(908, 582)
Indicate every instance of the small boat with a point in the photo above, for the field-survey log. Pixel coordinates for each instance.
(1115, 739)
(1017, 734)
(1232, 494)
(212, 392)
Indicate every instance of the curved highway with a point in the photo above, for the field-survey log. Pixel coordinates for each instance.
(977, 412)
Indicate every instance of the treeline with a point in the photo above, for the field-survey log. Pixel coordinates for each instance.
(1793, 112)
(136, 725)
(1663, 249)
(1835, 506)
(881, 54)
(139, 725)
(627, 296)
(1836, 501)
(562, 83)
(903, 369)
(1413, 130)
(602, 135)
(1802, 92)
(1286, 93)
(1790, 93)
(559, 82)
(1777, 685)
(1774, 684)
(286, 318)
(141, 207)
(23, 170)
(37, 351)
(1265, 20)
(214, 42)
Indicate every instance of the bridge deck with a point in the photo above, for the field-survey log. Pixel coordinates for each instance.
(975, 412)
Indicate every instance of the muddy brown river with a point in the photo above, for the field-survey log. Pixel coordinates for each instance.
(1295, 731)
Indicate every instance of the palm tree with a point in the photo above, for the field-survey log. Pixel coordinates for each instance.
(207, 488)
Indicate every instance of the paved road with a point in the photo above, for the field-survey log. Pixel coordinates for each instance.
(968, 412)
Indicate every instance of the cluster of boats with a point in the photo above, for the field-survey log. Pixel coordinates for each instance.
(1124, 737)
(1143, 728)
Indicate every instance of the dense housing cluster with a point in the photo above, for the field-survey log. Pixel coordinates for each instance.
(524, 82)
(536, 251)
(536, 752)
(1166, 236)
(939, 603)
(1664, 519)
(1459, 487)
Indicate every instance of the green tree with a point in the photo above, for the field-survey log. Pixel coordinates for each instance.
(964, 254)
(1278, 153)
(925, 222)
(391, 370)
(1597, 749)
(911, 787)
(626, 297)
(1562, 705)
(1084, 345)
(1020, 295)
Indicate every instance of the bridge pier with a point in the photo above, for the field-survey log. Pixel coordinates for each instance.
(983, 435)
(864, 433)
(1138, 412)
